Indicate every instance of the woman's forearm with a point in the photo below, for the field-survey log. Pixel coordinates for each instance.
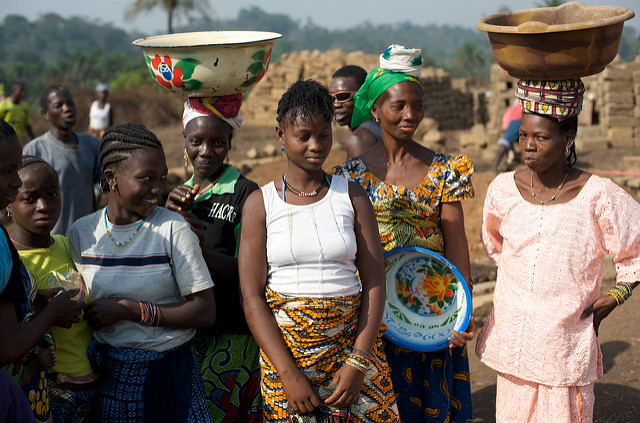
(268, 336)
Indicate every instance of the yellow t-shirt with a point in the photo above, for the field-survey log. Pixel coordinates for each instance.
(72, 343)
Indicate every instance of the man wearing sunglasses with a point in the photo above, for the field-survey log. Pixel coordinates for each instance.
(344, 84)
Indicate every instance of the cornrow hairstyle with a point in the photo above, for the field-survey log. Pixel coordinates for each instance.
(44, 95)
(6, 131)
(120, 141)
(351, 71)
(305, 100)
(34, 162)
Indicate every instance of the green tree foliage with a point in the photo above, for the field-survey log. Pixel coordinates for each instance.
(80, 53)
(68, 51)
(550, 3)
(171, 7)
(470, 60)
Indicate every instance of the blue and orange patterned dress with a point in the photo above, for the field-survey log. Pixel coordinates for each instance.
(431, 387)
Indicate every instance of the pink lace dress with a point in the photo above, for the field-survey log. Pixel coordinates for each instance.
(549, 270)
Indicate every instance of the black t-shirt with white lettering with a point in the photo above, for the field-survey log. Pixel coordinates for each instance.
(222, 214)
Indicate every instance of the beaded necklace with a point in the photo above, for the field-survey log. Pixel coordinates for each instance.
(286, 185)
(118, 243)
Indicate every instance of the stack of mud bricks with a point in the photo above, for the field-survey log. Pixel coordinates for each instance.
(451, 107)
(616, 98)
(503, 93)
(259, 108)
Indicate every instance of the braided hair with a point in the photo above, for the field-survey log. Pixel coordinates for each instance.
(305, 100)
(120, 141)
(34, 162)
(7, 131)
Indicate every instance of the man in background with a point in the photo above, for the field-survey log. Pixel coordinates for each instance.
(344, 84)
(16, 112)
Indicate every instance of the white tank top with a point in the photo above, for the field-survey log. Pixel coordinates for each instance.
(311, 249)
(99, 118)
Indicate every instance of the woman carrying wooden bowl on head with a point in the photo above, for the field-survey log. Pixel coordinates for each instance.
(416, 195)
(548, 227)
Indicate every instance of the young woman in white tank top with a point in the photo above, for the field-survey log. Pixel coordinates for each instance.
(303, 237)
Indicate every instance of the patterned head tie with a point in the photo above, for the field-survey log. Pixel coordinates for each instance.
(226, 108)
(558, 99)
(397, 64)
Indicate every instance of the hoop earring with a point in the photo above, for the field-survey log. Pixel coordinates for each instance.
(8, 214)
(186, 159)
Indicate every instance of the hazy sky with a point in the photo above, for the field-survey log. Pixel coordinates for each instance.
(332, 14)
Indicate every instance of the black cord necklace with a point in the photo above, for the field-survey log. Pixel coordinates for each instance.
(286, 185)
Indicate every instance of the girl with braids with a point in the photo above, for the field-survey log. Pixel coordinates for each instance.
(21, 329)
(149, 288)
(303, 237)
(35, 212)
(548, 227)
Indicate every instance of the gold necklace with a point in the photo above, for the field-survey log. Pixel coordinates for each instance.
(208, 187)
(35, 248)
(554, 195)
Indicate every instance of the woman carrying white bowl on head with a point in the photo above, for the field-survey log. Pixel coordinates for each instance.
(213, 199)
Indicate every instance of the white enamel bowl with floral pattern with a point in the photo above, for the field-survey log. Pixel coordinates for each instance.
(209, 63)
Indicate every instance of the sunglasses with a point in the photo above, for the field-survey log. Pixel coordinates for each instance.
(343, 96)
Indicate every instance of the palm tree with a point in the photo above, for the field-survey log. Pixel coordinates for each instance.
(170, 6)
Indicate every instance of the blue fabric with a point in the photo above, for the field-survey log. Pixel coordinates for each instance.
(511, 134)
(143, 386)
(70, 405)
(6, 263)
(423, 383)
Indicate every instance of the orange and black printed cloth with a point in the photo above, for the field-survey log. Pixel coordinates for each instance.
(320, 333)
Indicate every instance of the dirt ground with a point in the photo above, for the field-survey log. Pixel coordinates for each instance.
(617, 394)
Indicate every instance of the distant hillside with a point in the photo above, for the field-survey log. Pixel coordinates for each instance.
(79, 54)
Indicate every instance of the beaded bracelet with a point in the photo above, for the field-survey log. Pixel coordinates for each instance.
(149, 313)
(351, 362)
(621, 292)
(362, 361)
(362, 353)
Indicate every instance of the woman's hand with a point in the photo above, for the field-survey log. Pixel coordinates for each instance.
(67, 311)
(349, 383)
(600, 309)
(460, 338)
(181, 198)
(297, 390)
(107, 311)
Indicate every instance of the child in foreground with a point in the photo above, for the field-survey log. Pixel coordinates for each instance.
(35, 212)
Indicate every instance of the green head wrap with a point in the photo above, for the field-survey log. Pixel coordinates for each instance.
(397, 64)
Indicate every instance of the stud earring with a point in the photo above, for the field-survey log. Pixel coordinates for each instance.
(378, 121)
(566, 152)
(7, 212)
